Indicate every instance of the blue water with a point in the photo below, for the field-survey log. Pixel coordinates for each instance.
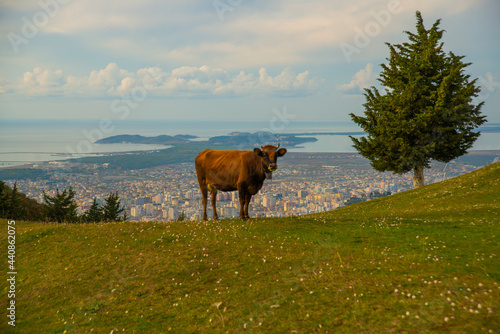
(23, 141)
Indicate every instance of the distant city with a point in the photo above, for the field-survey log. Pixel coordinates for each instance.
(305, 183)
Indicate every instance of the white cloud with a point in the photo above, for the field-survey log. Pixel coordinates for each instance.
(364, 78)
(203, 72)
(185, 81)
(107, 77)
(126, 86)
(287, 83)
(43, 82)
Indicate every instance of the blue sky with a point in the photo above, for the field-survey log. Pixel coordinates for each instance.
(221, 59)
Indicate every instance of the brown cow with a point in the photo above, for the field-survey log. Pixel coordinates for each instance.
(244, 171)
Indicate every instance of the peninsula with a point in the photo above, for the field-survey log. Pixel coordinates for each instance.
(232, 139)
(137, 139)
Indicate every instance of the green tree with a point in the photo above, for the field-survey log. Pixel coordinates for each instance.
(4, 199)
(427, 110)
(15, 209)
(61, 207)
(182, 217)
(94, 214)
(112, 208)
(16, 205)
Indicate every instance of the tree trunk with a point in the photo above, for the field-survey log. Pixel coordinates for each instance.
(418, 177)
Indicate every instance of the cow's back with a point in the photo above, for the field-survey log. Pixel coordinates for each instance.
(212, 159)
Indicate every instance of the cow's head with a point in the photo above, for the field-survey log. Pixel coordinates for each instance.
(270, 154)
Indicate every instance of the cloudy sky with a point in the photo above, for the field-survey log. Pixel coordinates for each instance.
(221, 59)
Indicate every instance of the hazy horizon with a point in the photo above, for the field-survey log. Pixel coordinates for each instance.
(23, 141)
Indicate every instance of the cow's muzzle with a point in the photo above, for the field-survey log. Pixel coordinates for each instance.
(273, 167)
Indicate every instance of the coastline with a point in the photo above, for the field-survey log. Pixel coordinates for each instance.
(27, 143)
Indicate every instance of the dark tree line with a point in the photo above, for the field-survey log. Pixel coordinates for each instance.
(108, 213)
(58, 208)
(16, 205)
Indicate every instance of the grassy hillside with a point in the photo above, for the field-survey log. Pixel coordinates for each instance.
(422, 261)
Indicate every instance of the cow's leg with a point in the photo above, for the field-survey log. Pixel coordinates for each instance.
(247, 203)
(242, 193)
(204, 198)
(213, 198)
(202, 181)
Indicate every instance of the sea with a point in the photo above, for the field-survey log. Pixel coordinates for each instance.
(32, 141)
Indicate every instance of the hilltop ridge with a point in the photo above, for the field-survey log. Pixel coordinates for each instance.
(475, 194)
(426, 260)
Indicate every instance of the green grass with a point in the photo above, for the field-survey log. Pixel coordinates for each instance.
(422, 261)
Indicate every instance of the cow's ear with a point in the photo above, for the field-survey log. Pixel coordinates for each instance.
(281, 152)
(258, 151)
